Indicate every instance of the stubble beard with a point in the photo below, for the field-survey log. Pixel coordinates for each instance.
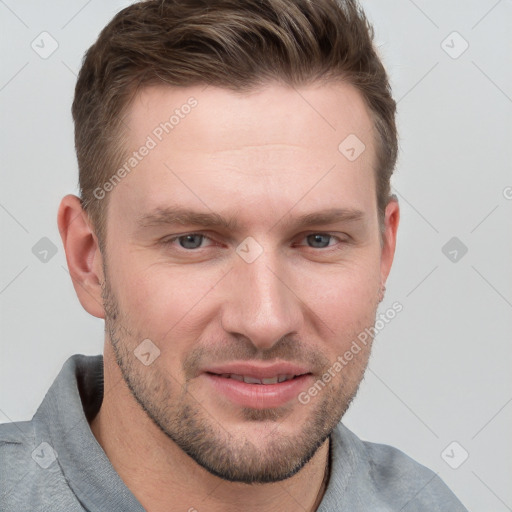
(228, 455)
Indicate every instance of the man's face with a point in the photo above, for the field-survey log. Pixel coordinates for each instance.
(267, 295)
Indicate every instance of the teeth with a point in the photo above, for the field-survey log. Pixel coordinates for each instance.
(254, 380)
(251, 380)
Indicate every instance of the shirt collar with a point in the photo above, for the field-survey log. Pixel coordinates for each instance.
(73, 399)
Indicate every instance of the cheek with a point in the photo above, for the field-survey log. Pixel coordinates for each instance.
(160, 300)
(345, 299)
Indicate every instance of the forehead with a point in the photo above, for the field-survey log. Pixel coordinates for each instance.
(268, 146)
(257, 117)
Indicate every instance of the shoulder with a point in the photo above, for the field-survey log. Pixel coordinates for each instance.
(15, 439)
(31, 478)
(394, 472)
(395, 480)
(18, 456)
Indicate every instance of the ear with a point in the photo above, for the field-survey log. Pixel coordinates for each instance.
(391, 221)
(83, 255)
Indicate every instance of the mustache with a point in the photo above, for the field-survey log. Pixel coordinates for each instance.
(287, 348)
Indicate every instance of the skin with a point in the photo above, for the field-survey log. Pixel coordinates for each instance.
(263, 158)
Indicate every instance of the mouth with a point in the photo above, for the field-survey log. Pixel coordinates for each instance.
(258, 387)
(249, 379)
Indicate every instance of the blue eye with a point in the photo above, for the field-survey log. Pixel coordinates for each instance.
(192, 241)
(319, 240)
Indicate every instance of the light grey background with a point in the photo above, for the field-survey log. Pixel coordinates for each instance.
(441, 370)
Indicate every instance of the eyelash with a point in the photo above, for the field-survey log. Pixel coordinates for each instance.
(170, 241)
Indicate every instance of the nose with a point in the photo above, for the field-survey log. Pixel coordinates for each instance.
(261, 305)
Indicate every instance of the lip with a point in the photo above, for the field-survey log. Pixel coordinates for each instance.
(258, 371)
(258, 396)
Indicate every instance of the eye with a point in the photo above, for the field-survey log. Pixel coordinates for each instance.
(320, 240)
(193, 241)
(188, 241)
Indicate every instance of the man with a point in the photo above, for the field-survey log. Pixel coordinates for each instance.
(235, 230)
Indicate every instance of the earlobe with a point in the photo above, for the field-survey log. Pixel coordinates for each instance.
(391, 221)
(83, 255)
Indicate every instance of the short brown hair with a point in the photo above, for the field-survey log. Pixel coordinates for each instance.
(235, 44)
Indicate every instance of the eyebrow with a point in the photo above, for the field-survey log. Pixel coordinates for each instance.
(178, 215)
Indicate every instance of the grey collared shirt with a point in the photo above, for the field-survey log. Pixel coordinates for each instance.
(54, 463)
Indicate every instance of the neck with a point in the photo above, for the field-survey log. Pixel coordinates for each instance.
(162, 477)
